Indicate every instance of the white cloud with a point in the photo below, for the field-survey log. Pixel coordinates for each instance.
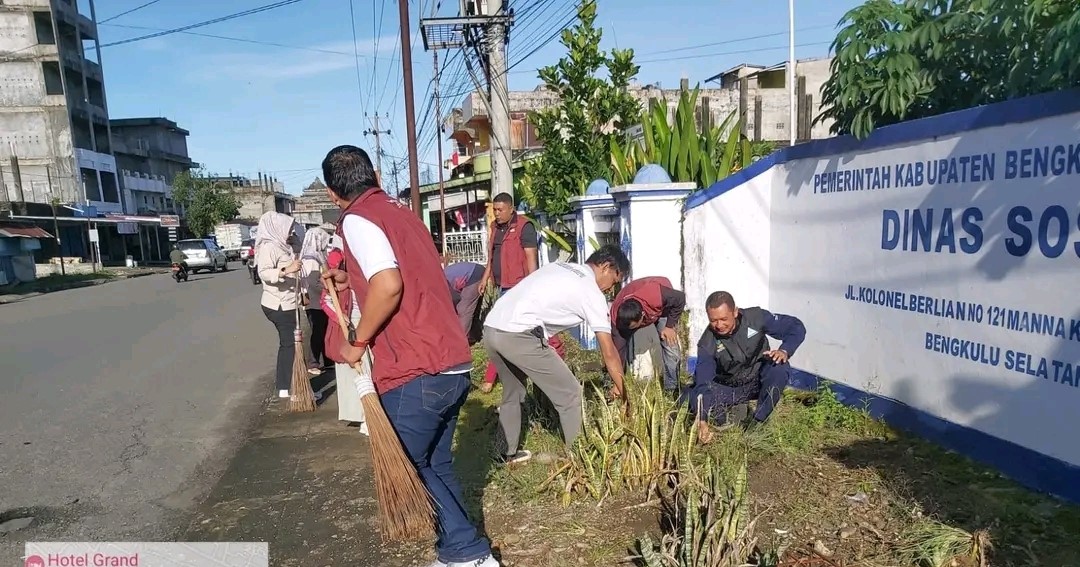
(281, 64)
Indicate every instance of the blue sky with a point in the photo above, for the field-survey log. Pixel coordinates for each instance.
(279, 108)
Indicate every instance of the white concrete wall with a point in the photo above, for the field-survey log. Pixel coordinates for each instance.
(727, 247)
(933, 315)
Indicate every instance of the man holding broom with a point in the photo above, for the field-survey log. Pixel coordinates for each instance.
(421, 356)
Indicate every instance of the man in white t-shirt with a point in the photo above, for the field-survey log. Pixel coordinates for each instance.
(550, 300)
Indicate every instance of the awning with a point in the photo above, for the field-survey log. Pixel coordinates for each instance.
(23, 232)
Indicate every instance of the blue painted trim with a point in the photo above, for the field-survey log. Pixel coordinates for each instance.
(1030, 468)
(1014, 111)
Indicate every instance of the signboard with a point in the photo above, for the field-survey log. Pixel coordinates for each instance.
(635, 132)
(941, 274)
(170, 220)
(94, 235)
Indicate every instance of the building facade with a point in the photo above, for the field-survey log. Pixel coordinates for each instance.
(150, 153)
(311, 203)
(55, 119)
(258, 196)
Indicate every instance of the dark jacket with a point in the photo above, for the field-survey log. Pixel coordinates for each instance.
(422, 336)
(736, 360)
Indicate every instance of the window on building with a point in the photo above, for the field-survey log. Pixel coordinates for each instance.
(90, 183)
(109, 189)
(54, 84)
(43, 28)
(776, 79)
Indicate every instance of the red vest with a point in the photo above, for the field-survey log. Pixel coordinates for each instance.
(647, 292)
(513, 265)
(423, 336)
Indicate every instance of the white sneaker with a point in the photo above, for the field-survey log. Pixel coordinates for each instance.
(282, 393)
(364, 429)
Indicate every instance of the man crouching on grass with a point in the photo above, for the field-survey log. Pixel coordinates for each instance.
(735, 363)
(550, 300)
(421, 356)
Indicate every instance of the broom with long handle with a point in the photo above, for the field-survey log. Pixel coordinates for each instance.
(302, 397)
(405, 508)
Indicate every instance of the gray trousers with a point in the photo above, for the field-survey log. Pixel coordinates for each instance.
(527, 355)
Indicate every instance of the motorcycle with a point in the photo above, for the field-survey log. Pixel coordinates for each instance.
(179, 273)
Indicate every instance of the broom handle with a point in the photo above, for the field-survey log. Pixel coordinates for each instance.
(340, 316)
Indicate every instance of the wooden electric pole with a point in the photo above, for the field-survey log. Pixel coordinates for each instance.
(410, 110)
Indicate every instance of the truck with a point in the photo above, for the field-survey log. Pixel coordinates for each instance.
(230, 237)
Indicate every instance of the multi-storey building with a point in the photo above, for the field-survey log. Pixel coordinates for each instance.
(54, 115)
(258, 196)
(150, 153)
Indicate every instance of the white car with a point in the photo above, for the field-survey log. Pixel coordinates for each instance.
(203, 254)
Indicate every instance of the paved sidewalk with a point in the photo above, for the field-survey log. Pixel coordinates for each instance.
(303, 483)
(41, 286)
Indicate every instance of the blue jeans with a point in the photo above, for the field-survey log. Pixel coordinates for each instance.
(424, 413)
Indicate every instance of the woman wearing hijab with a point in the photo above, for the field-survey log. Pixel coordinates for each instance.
(275, 257)
(312, 260)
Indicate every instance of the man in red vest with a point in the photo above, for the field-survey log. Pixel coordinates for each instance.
(650, 301)
(512, 255)
(421, 356)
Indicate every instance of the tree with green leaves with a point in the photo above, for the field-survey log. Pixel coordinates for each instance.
(896, 61)
(577, 132)
(206, 203)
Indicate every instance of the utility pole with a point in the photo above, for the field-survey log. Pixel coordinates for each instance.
(438, 142)
(410, 110)
(501, 168)
(450, 33)
(53, 200)
(791, 70)
(378, 141)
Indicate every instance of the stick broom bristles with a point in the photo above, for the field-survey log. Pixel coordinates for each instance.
(405, 508)
(301, 396)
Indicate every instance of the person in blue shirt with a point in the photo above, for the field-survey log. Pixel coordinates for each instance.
(735, 363)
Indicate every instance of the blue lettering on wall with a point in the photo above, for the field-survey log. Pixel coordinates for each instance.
(965, 349)
(1051, 370)
(917, 230)
(1053, 244)
(1040, 162)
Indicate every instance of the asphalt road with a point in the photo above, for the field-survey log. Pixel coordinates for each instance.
(122, 403)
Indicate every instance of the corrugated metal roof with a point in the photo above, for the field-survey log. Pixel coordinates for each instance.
(10, 231)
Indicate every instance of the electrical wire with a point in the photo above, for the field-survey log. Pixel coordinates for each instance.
(135, 9)
(234, 16)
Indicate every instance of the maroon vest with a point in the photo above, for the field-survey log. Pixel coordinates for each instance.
(647, 292)
(423, 336)
(513, 265)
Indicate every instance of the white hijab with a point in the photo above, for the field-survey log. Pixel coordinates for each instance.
(274, 231)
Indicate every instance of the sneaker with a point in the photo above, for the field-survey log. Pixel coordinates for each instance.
(282, 393)
(364, 429)
(314, 371)
(438, 563)
(519, 457)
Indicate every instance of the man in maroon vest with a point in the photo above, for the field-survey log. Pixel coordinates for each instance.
(512, 255)
(421, 356)
(650, 301)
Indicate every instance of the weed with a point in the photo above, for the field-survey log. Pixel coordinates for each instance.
(929, 543)
(706, 522)
(620, 449)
